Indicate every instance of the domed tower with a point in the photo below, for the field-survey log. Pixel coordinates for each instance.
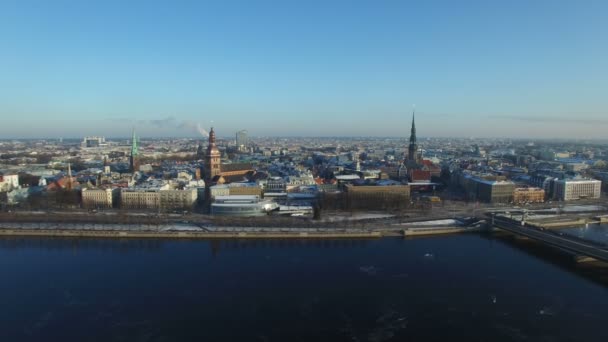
(212, 158)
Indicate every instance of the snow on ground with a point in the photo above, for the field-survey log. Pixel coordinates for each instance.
(357, 216)
(181, 227)
(573, 208)
(539, 217)
(447, 222)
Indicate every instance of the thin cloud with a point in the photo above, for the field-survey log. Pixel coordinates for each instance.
(193, 127)
(169, 122)
(550, 119)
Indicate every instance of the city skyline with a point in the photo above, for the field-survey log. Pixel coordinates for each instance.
(519, 70)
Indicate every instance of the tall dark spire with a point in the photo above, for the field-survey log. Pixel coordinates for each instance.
(413, 133)
(412, 151)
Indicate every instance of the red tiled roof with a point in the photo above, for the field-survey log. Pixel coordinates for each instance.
(236, 167)
(62, 184)
(418, 175)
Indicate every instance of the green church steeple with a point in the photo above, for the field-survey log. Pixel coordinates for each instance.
(134, 144)
(133, 159)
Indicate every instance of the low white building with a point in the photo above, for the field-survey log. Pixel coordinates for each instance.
(184, 176)
(296, 181)
(219, 190)
(573, 189)
(17, 196)
(243, 205)
(273, 184)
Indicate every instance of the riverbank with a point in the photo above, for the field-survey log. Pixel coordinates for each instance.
(189, 234)
(185, 231)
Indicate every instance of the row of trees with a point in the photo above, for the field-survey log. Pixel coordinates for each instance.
(42, 158)
(365, 201)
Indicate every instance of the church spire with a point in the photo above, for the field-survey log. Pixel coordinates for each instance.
(413, 133)
(69, 185)
(134, 159)
(413, 156)
(133, 143)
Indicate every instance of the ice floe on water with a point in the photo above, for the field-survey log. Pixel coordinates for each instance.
(369, 270)
(387, 325)
(401, 275)
(547, 311)
(512, 333)
(384, 328)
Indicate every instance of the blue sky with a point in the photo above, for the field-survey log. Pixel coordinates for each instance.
(307, 68)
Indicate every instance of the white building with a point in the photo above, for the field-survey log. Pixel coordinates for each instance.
(219, 190)
(178, 199)
(18, 195)
(88, 142)
(295, 181)
(274, 184)
(184, 176)
(139, 199)
(243, 205)
(9, 182)
(573, 189)
(199, 186)
(241, 140)
(98, 198)
(576, 167)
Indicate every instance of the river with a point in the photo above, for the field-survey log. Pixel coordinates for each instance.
(593, 232)
(458, 288)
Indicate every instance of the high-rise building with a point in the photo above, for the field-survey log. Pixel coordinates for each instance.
(88, 142)
(134, 158)
(242, 140)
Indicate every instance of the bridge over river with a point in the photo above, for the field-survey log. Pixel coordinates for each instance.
(551, 238)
